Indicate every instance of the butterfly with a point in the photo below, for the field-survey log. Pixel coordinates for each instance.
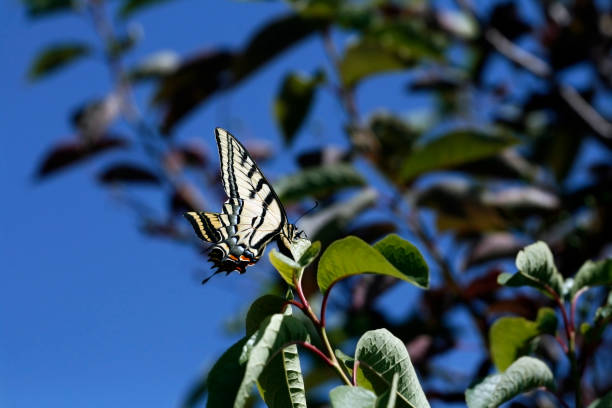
(251, 217)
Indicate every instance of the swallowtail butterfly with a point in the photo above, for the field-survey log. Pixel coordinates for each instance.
(251, 218)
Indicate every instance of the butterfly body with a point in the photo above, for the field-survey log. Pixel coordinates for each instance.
(252, 217)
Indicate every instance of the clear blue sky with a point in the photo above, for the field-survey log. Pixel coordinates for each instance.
(92, 313)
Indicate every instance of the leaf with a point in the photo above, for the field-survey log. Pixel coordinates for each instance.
(510, 336)
(276, 331)
(310, 254)
(452, 149)
(494, 246)
(592, 274)
(525, 374)
(349, 363)
(42, 8)
(127, 172)
(381, 355)
(346, 396)
(260, 309)
(225, 377)
(56, 56)
(198, 79)
(131, 6)
(286, 267)
(365, 58)
(285, 366)
(603, 402)
(70, 153)
(536, 268)
(294, 101)
(405, 257)
(388, 399)
(156, 66)
(317, 181)
(352, 256)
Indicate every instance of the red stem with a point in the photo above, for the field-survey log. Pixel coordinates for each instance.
(324, 303)
(316, 351)
(355, 368)
(573, 307)
(294, 303)
(566, 323)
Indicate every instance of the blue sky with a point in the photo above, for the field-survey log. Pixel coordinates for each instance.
(92, 313)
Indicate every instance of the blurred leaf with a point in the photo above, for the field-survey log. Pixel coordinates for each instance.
(395, 138)
(592, 274)
(294, 101)
(192, 83)
(352, 256)
(127, 173)
(56, 56)
(386, 47)
(482, 286)
(225, 377)
(188, 155)
(131, 6)
(276, 331)
(536, 268)
(346, 396)
(510, 336)
(42, 8)
(317, 181)
(405, 257)
(281, 384)
(603, 402)
(494, 246)
(198, 79)
(329, 224)
(525, 374)
(66, 154)
(156, 66)
(382, 355)
(389, 398)
(454, 148)
(260, 309)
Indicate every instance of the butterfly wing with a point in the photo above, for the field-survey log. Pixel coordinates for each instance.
(252, 216)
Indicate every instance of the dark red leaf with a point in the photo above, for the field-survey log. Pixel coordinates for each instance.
(127, 173)
(483, 285)
(68, 153)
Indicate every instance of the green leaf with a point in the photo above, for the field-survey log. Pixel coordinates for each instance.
(525, 374)
(349, 363)
(317, 181)
(55, 57)
(510, 336)
(225, 377)
(452, 149)
(42, 8)
(603, 402)
(260, 309)
(289, 392)
(294, 101)
(593, 274)
(381, 355)
(352, 256)
(536, 268)
(286, 267)
(365, 58)
(310, 255)
(131, 6)
(405, 257)
(388, 399)
(345, 396)
(276, 331)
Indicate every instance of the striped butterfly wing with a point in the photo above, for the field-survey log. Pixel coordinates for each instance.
(251, 217)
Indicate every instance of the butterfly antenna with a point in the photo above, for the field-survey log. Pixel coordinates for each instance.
(307, 212)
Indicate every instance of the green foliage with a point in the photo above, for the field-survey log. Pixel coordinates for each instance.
(290, 269)
(272, 337)
(592, 274)
(537, 269)
(260, 309)
(381, 355)
(525, 374)
(345, 396)
(294, 101)
(603, 402)
(318, 181)
(510, 336)
(452, 149)
(352, 256)
(225, 377)
(57, 56)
